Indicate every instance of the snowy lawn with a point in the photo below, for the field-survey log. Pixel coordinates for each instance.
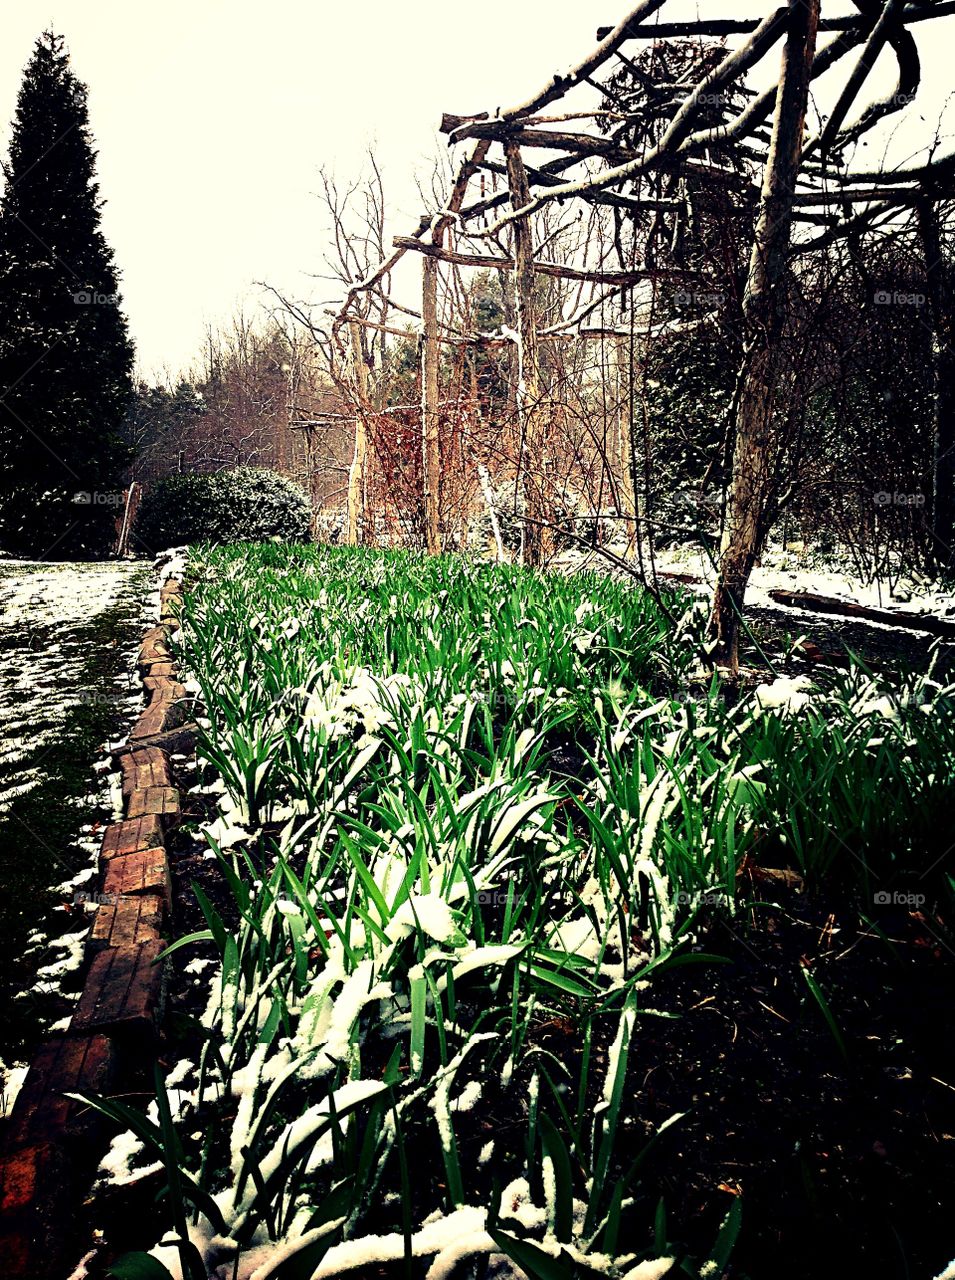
(468, 825)
(67, 633)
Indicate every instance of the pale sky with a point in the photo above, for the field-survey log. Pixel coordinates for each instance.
(212, 118)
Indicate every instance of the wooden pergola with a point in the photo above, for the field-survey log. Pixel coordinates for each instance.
(577, 139)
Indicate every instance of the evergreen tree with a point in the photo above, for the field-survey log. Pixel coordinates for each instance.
(65, 355)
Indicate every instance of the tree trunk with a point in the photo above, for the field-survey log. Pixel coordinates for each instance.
(531, 413)
(488, 492)
(943, 371)
(765, 310)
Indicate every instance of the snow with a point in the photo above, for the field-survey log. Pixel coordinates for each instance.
(308, 1125)
(652, 1269)
(73, 944)
(489, 957)
(784, 694)
(794, 571)
(11, 1082)
(117, 1164)
(435, 1238)
(517, 1204)
(357, 991)
(617, 1049)
(39, 685)
(428, 912)
(80, 1271)
(468, 1098)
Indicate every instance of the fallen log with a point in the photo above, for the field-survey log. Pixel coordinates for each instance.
(887, 617)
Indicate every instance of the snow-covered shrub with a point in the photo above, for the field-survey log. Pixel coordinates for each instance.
(245, 505)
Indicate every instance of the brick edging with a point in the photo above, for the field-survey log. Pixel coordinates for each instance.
(51, 1144)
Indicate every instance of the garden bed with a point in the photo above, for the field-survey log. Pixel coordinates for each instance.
(507, 943)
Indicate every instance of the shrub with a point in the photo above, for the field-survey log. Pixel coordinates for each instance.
(244, 505)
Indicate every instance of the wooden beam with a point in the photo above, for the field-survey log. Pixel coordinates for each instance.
(492, 262)
(743, 26)
(864, 195)
(580, 144)
(541, 178)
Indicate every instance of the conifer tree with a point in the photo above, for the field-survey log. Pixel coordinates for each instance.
(65, 356)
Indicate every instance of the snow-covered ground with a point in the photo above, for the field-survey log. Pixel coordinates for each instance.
(45, 647)
(42, 652)
(796, 571)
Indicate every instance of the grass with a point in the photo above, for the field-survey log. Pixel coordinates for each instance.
(467, 814)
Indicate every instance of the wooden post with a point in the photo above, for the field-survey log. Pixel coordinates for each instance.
(430, 413)
(129, 514)
(625, 488)
(765, 310)
(943, 388)
(531, 414)
(356, 473)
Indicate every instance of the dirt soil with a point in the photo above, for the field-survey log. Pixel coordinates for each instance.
(841, 1143)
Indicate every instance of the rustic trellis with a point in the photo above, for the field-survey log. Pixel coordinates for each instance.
(642, 157)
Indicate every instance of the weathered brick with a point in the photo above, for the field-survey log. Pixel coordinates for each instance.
(160, 668)
(181, 739)
(150, 722)
(155, 647)
(131, 835)
(163, 802)
(163, 689)
(123, 990)
(144, 767)
(15, 1251)
(24, 1172)
(170, 607)
(39, 1189)
(144, 872)
(168, 708)
(68, 1064)
(128, 922)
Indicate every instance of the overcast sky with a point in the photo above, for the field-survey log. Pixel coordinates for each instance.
(212, 118)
